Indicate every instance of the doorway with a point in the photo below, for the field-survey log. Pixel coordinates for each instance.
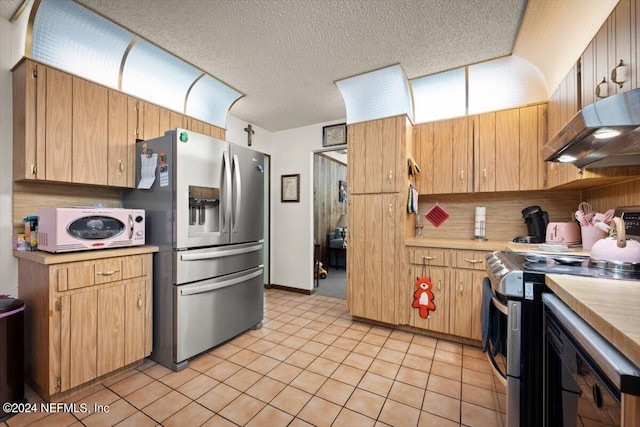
(329, 220)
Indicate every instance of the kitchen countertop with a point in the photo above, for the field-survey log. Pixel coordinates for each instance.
(42, 257)
(611, 307)
(485, 245)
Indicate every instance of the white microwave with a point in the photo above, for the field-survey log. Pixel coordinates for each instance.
(79, 229)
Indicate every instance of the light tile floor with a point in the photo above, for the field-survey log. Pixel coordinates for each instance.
(310, 364)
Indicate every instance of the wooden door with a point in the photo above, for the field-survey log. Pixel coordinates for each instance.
(507, 162)
(373, 143)
(443, 157)
(393, 135)
(90, 133)
(83, 336)
(29, 119)
(424, 150)
(356, 157)
(622, 33)
(476, 301)
(484, 152)
(176, 120)
(542, 140)
(118, 149)
(461, 296)
(135, 325)
(530, 159)
(58, 126)
(438, 319)
(356, 251)
(602, 62)
(462, 150)
(374, 217)
(151, 128)
(588, 75)
(389, 256)
(111, 329)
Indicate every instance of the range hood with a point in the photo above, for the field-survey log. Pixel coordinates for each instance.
(603, 134)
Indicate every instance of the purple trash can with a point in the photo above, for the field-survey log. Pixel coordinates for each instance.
(11, 352)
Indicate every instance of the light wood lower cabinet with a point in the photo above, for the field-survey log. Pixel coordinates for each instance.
(85, 319)
(457, 277)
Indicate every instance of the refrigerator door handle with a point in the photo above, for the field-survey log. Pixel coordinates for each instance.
(220, 253)
(220, 285)
(238, 184)
(227, 191)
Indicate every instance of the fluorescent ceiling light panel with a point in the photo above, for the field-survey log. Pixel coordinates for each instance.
(155, 75)
(377, 94)
(439, 96)
(504, 83)
(69, 37)
(210, 100)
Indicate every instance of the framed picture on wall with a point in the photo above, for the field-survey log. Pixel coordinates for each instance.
(334, 135)
(342, 191)
(290, 188)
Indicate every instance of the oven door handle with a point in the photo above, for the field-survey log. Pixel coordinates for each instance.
(501, 307)
(501, 376)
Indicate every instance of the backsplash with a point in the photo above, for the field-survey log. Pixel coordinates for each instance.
(612, 196)
(503, 212)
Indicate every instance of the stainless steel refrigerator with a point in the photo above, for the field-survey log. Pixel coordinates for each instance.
(204, 209)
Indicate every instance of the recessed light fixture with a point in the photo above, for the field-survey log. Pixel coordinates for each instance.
(565, 158)
(605, 133)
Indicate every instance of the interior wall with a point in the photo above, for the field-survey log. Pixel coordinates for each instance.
(504, 212)
(326, 206)
(291, 222)
(612, 196)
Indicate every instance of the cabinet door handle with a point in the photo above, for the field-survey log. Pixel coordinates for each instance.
(473, 261)
(462, 176)
(427, 258)
(390, 175)
(107, 273)
(139, 302)
(34, 169)
(439, 286)
(484, 174)
(390, 209)
(120, 166)
(602, 91)
(619, 74)
(460, 289)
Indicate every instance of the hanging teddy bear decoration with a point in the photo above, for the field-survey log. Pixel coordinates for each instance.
(423, 297)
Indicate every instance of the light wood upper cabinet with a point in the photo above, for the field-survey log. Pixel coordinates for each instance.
(484, 152)
(58, 126)
(423, 155)
(90, 133)
(121, 144)
(151, 118)
(375, 150)
(442, 163)
(508, 150)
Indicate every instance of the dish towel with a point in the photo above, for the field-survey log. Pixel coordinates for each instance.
(490, 321)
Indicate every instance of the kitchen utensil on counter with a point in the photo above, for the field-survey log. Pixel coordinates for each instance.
(567, 233)
(582, 220)
(536, 220)
(590, 235)
(616, 252)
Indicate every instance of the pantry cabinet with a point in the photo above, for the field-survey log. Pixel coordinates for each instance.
(378, 218)
(87, 317)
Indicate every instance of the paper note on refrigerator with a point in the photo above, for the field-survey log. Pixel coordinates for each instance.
(147, 170)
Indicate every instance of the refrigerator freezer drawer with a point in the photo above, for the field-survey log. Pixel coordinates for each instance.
(200, 264)
(210, 312)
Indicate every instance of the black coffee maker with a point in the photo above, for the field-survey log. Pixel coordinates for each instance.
(536, 220)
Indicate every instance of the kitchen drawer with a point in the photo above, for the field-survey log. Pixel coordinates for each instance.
(82, 274)
(133, 266)
(472, 260)
(429, 256)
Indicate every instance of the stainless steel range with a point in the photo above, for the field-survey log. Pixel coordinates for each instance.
(516, 336)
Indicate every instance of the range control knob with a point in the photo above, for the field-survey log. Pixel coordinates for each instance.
(139, 233)
(139, 219)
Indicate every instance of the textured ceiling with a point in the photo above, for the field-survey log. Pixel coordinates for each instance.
(286, 54)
